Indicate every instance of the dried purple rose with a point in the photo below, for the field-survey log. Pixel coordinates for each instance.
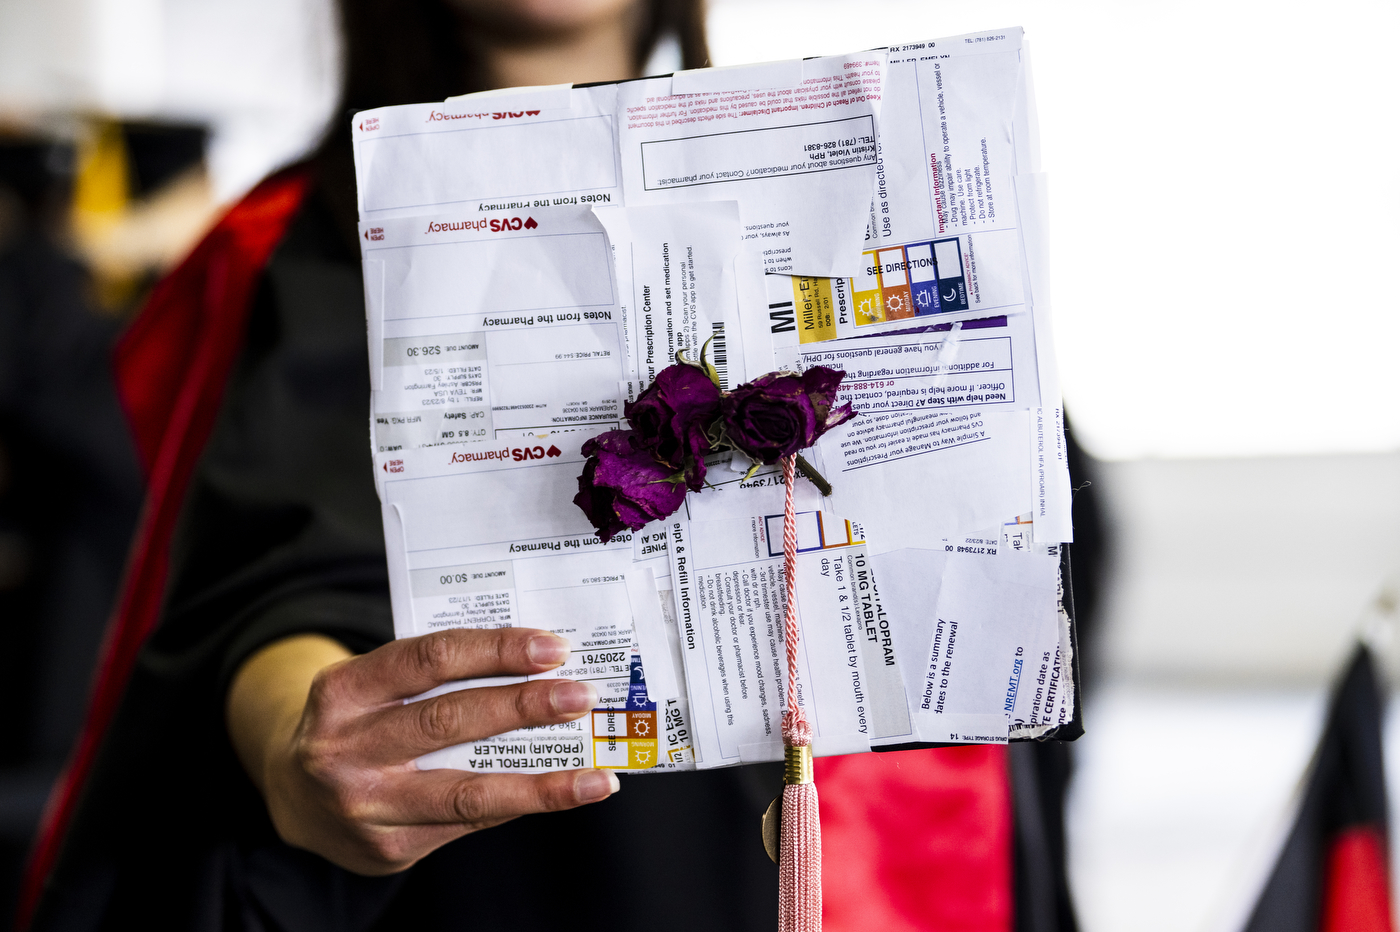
(820, 384)
(624, 485)
(633, 477)
(780, 413)
(672, 418)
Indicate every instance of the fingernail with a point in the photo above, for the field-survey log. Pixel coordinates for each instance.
(595, 785)
(547, 649)
(569, 696)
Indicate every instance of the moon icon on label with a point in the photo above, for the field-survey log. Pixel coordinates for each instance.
(951, 296)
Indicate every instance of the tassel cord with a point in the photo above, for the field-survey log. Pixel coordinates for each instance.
(800, 845)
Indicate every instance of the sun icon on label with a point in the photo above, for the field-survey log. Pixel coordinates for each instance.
(865, 307)
(641, 726)
(643, 758)
(923, 299)
(894, 304)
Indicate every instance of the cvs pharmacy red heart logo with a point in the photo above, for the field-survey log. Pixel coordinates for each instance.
(553, 451)
(530, 223)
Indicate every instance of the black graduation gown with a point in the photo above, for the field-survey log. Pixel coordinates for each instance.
(280, 534)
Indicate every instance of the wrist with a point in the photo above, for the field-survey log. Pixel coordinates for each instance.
(267, 699)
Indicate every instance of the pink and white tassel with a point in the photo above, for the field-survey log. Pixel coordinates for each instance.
(800, 844)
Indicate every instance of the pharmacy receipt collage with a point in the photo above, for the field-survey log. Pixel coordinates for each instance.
(882, 213)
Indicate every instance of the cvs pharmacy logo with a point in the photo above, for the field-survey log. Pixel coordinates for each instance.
(497, 225)
(517, 454)
(513, 223)
(535, 453)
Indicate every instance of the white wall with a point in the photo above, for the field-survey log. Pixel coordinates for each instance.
(1246, 571)
(1222, 204)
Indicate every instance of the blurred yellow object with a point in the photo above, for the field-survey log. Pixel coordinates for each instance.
(126, 241)
(102, 185)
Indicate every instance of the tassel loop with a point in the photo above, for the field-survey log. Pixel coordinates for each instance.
(797, 733)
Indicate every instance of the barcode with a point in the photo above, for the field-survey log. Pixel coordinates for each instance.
(718, 355)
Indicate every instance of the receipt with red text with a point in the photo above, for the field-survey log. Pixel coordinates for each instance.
(958, 236)
(485, 535)
(481, 328)
(494, 154)
(793, 142)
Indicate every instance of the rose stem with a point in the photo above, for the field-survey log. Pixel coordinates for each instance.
(808, 470)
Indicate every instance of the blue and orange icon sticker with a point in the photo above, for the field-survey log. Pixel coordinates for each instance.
(626, 738)
(915, 280)
(894, 283)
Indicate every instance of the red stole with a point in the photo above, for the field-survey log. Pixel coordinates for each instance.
(171, 367)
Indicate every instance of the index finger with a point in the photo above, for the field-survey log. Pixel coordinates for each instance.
(408, 667)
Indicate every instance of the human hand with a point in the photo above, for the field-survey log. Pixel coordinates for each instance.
(328, 740)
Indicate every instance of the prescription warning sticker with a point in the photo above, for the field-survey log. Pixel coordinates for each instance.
(626, 738)
(894, 283)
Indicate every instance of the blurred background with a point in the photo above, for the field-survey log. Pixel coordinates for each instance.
(1223, 240)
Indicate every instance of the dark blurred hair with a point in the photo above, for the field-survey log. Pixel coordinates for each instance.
(417, 51)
